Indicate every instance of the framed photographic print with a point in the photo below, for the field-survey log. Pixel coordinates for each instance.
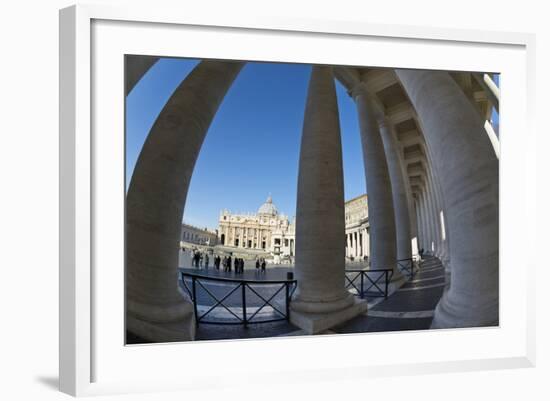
(292, 191)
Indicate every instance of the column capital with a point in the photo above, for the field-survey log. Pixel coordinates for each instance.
(383, 122)
(371, 101)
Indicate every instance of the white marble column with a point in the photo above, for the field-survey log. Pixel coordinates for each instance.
(445, 243)
(437, 220)
(424, 219)
(399, 192)
(356, 245)
(466, 164)
(156, 308)
(427, 221)
(383, 251)
(321, 299)
(421, 234)
(433, 217)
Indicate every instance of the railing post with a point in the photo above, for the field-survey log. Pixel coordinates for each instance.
(194, 289)
(287, 298)
(362, 284)
(243, 286)
(386, 284)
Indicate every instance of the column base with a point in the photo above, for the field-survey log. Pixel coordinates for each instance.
(170, 324)
(447, 316)
(162, 332)
(314, 323)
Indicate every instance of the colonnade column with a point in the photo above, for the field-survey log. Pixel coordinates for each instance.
(437, 222)
(321, 299)
(420, 225)
(156, 309)
(383, 251)
(426, 220)
(433, 219)
(425, 226)
(399, 192)
(445, 242)
(468, 169)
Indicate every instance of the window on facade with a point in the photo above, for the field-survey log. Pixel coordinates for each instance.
(277, 241)
(286, 242)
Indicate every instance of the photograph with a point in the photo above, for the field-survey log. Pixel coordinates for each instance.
(268, 199)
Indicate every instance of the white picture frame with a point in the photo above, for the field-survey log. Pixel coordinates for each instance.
(92, 37)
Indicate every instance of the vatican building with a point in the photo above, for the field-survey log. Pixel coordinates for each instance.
(269, 231)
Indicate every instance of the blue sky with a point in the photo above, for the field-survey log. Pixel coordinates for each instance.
(252, 147)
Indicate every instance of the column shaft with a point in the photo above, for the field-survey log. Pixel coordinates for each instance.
(381, 212)
(399, 192)
(156, 198)
(320, 223)
(466, 164)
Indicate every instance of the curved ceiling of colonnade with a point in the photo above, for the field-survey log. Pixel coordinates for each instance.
(384, 84)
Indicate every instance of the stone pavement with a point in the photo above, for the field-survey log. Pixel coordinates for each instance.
(409, 307)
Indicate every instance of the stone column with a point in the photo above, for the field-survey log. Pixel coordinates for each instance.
(419, 222)
(399, 191)
(321, 299)
(433, 220)
(445, 243)
(156, 308)
(427, 221)
(365, 243)
(424, 222)
(136, 67)
(381, 213)
(467, 166)
(437, 220)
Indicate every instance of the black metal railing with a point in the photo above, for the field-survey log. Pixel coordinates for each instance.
(243, 316)
(372, 283)
(407, 267)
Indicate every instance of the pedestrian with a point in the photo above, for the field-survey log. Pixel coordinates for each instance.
(206, 260)
(195, 258)
(257, 265)
(229, 263)
(263, 265)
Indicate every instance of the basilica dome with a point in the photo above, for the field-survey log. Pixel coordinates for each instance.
(268, 208)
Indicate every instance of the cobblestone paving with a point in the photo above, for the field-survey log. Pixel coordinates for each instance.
(409, 307)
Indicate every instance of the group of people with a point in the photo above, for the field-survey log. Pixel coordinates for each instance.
(238, 264)
(201, 259)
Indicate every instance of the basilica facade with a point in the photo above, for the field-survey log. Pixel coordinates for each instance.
(267, 230)
(272, 232)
